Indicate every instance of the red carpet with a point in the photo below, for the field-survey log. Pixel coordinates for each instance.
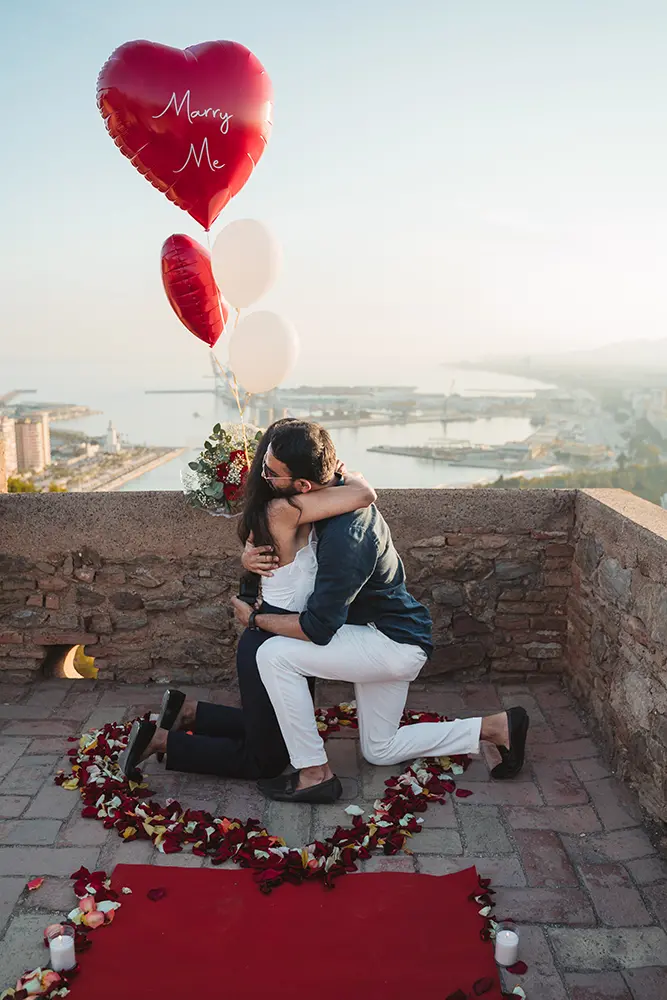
(213, 935)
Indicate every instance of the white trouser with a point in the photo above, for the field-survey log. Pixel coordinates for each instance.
(381, 671)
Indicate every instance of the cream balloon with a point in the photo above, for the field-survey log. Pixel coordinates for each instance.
(245, 260)
(262, 351)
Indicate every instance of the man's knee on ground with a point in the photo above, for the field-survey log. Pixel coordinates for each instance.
(377, 752)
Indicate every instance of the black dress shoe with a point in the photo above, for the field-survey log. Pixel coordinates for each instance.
(172, 703)
(284, 789)
(512, 759)
(140, 736)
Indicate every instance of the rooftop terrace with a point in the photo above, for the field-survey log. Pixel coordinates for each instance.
(555, 600)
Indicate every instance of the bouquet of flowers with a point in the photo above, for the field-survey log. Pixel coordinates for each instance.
(216, 479)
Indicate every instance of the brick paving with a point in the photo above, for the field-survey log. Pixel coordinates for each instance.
(564, 844)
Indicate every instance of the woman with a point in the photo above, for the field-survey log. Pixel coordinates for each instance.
(280, 519)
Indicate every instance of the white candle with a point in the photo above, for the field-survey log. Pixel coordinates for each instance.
(61, 948)
(507, 947)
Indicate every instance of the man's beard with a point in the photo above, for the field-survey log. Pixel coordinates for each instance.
(287, 491)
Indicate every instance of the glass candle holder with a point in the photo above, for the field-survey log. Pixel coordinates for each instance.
(61, 948)
(507, 943)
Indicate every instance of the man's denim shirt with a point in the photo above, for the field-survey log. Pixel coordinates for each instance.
(361, 581)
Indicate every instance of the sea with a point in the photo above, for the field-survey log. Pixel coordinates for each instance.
(185, 419)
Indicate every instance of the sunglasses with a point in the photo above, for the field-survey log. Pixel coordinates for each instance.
(271, 476)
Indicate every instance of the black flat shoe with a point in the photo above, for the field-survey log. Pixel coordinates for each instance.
(172, 703)
(140, 736)
(283, 789)
(512, 759)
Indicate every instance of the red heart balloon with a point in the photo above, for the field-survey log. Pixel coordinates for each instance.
(191, 289)
(193, 121)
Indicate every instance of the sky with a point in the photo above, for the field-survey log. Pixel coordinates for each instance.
(447, 179)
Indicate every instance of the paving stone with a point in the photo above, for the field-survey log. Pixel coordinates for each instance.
(502, 871)
(441, 815)
(397, 863)
(373, 779)
(541, 981)
(27, 711)
(99, 717)
(80, 832)
(483, 831)
(23, 944)
(10, 751)
(560, 785)
(448, 703)
(614, 804)
(566, 723)
(597, 986)
(547, 698)
(647, 984)
(509, 700)
(10, 892)
(564, 819)
(50, 697)
(609, 949)
(12, 805)
(36, 861)
(656, 896)
(291, 821)
(623, 845)
(481, 699)
(343, 759)
(240, 800)
(29, 831)
(544, 858)
(49, 745)
(591, 769)
(26, 779)
(53, 802)
(521, 793)
(124, 852)
(564, 750)
(648, 870)
(184, 859)
(616, 900)
(327, 818)
(436, 842)
(47, 727)
(547, 906)
(540, 733)
(131, 694)
(55, 894)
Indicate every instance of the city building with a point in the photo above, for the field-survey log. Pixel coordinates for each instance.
(8, 445)
(111, 442)
(33, 443)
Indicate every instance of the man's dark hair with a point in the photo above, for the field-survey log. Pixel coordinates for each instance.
(306, 449)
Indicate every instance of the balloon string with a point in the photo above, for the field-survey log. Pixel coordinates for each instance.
(231, 382)
(233, 385)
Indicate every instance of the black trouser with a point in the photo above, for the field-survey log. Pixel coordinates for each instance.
(235, 742)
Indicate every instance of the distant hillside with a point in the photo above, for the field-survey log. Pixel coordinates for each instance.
(626, 363)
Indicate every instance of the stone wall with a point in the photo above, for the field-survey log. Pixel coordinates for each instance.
(617, 645)
(143, 581)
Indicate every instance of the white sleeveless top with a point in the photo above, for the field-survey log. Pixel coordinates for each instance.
(290, 586)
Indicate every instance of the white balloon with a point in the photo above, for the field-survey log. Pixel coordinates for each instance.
(262, 351)
(245, 260)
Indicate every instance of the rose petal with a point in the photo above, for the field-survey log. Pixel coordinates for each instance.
(459, 995)
(518, 969)
(94, 919)
(354, 811)
(87, 904)
(35, 883)
(156, 894)
(463, 793)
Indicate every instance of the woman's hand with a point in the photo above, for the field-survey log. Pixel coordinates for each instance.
(259, 559)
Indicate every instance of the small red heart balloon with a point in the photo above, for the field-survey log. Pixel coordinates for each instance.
(191, 289)
(193, 121)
